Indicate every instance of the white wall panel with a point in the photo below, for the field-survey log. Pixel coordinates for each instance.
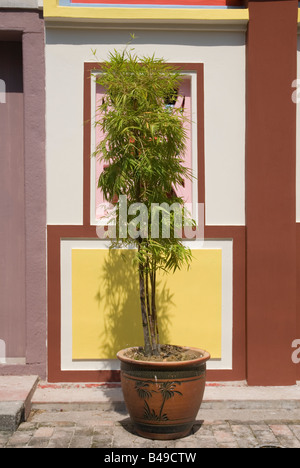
(223, 55)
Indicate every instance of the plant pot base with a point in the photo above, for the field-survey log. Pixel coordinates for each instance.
(163, 398)
(162, 432)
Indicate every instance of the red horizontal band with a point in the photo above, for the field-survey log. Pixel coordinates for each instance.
(165, 2)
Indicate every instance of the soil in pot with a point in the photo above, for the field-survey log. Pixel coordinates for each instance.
(168, 353)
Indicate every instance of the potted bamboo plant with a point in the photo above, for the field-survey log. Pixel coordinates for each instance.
(144, 139)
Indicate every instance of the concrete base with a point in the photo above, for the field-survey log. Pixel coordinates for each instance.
(11, 415)
(234, 395)
(15, 400)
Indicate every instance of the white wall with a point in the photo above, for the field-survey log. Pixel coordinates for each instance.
(31, 4)
(223, 55)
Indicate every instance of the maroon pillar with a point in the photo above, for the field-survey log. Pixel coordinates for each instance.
(12, 205)
(271, 191)
(23, 198)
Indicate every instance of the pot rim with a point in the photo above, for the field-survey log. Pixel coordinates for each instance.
(205, 356)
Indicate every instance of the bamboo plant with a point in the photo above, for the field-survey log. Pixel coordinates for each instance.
(144, 140)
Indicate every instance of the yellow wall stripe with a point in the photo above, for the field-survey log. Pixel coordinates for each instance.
(52, 10)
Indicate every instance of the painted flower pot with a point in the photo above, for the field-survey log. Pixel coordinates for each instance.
(163, 398)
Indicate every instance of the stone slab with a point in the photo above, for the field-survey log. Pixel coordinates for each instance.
(15, 400)
(11, 415)
(17, 388)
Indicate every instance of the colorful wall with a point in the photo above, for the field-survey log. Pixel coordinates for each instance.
(240, 300)
(97, 310)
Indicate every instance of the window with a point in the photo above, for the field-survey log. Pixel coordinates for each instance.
(187, 100)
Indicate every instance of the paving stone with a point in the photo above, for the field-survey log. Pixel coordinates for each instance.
(80, 441)
(295, 428)
(27, 426)
(38, 442)
(225, 438)
(113, 430)
(19, 439)
(61, 437)
(4, 437)
(285, 436)
(244, 436)
(102, 438)
(264, 434)
(44, 432)
(207, 442)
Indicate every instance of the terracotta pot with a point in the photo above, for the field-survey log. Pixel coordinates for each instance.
(163, 398)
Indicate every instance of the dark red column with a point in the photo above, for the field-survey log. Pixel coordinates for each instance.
(271, 191)
(12, 205)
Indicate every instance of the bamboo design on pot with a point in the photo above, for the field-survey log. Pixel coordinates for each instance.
(167, 391)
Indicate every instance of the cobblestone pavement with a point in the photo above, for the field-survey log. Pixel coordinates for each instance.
(112, 429)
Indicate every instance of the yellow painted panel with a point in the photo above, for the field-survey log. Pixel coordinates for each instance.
(52, 10)
(105, 303)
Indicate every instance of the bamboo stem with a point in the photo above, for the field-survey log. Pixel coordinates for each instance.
(147, 342)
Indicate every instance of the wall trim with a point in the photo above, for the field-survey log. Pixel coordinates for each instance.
(55, 11)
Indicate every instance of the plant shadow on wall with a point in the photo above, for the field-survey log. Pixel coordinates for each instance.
(118, 303)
